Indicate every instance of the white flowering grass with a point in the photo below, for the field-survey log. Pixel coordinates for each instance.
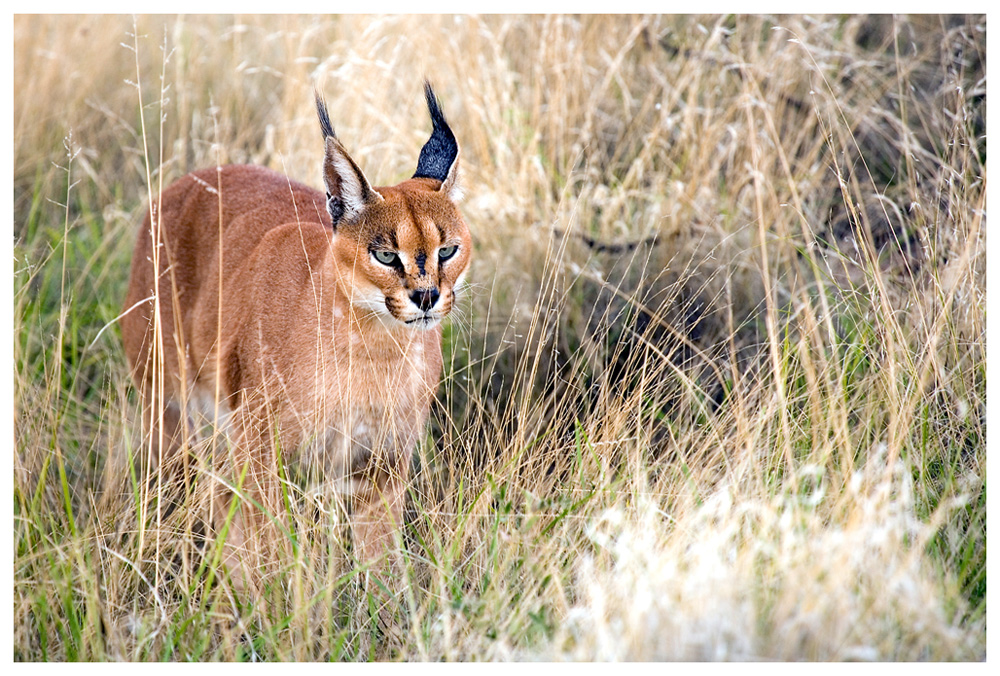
(786, 578)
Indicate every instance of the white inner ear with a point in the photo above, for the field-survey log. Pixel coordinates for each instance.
(352, 191)
(451, 185)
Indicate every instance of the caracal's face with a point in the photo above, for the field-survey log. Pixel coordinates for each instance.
(406, 256)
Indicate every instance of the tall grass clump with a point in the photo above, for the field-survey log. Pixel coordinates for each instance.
(718, 392)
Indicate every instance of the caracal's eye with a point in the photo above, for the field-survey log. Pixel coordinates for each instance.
(446, 252)
(386, 257)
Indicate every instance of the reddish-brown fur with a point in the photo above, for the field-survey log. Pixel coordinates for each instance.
(315, 344)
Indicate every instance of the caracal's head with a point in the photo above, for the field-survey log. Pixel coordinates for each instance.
(402, 251)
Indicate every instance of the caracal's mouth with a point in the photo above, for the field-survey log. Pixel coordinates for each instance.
(423, 322)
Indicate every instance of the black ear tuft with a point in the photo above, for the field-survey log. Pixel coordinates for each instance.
(441, 149)
(324, 118)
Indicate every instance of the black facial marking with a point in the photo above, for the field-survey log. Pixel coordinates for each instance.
(421, 261)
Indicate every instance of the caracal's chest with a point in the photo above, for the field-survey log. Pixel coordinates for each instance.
(368, 396)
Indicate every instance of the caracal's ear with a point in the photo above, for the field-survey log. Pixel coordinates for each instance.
(348, 192)
(439, 156)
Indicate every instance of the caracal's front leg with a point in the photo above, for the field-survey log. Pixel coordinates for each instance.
(376, 519)
(248, 507)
